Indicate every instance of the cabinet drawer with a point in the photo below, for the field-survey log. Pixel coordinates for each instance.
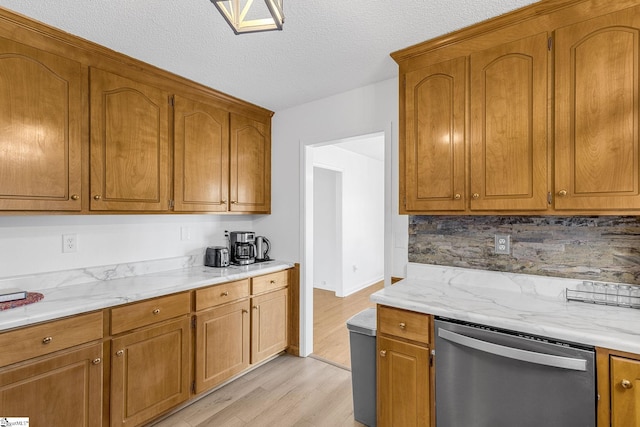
(404, 324)
(222, 293)
(33, 341)
(269, 282)
(148, 312)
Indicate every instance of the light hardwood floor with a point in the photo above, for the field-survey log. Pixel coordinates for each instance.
(287, 391)
(330, 315)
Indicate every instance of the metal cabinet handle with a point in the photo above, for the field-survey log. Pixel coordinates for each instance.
(119, 353)
(234, 202)
(96, 361)
(457, 196)
(273, 282)
(562, 193)
(156, 311)
(47, 340)
(74, 197)
(569, 363)
(255, 307)
(626, 384)
(224, 294)
(383, 353)
(475, 196)
(97, 197)
(244, 311)
(402, 325)
(223, 202)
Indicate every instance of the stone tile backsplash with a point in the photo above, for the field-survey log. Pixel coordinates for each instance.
(603, 248)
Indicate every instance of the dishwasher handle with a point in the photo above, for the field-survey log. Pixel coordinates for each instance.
(515, 353)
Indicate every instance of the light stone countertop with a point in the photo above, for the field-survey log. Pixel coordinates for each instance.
(525, 303)
(71, 299)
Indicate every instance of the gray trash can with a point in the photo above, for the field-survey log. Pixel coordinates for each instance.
(362, 340)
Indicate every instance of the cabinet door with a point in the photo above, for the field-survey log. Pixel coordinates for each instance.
(150, 372)
(62, 390)
(403, 383)
(201, 159)
(597, 152)
(625, 397)
(250, 180)
(269, 320)
(509, 154)
(434, 171)
(40, 130)
(222, 344)
(129, 144)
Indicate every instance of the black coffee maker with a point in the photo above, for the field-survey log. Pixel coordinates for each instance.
(242, 246)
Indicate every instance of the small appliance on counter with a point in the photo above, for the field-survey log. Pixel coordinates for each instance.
(242, 247)
(216, 256)
(262, 249)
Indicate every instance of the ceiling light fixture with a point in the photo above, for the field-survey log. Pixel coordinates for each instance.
(245, 17)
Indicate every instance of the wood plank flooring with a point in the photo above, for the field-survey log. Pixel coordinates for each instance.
(287, 391)
(330, 315)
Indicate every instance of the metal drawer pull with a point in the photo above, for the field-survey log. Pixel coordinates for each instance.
(224, 294)
(383, 353)
(255, 307)
(96, 361)
(156, 311)
(47, 340)
(119, 353)
(273, 282)
(74, 197)
(402, 325)
(244, 311)
(626, 384)
(515, 353)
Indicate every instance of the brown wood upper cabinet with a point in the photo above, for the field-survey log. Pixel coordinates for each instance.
(201, 156)
(596, 97)
(509, 126)
(541, 134)
(129, 144)
(435, 144)
(40, 129)
(250, 165)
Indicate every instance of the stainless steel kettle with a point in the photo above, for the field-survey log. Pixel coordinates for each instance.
(216, 256)
(262, 248)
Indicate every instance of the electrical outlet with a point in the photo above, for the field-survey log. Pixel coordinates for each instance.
(502, 244)
(69, 243)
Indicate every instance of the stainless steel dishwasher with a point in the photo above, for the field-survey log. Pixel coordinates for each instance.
(488, 377)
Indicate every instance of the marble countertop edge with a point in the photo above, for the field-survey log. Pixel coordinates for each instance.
(545, 314)
(77, 299)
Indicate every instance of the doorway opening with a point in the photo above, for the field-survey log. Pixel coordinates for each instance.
(345, 236)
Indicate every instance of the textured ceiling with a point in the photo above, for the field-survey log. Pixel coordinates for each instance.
(326, 47)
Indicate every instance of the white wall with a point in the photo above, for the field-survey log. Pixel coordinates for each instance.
(362, 111)
(327, 247)
(362, 215)
(366, 110)
(33, 244)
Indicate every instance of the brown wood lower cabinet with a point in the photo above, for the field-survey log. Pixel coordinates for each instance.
(625, 393)
(150, 371)
(403, 383)
(403, 368)
(64, 389)
(222, 344)
(268, 325)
